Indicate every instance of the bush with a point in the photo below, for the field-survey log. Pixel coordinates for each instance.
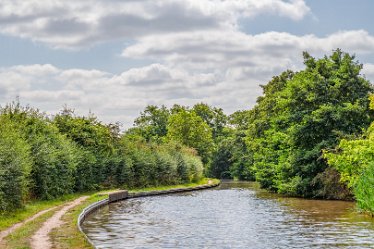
(364, 189)
(166, 168)
(44, 159)
(53, 165)
(15, 166)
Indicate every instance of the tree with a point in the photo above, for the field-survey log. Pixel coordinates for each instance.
(212, 116)
(96, 143)
(354, 160)
(302, 114)
(222, 159)
(190, 129)
(152, 123)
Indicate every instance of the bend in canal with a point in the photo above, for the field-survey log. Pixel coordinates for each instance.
(234, 215)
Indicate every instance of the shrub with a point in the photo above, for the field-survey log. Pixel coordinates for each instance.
(364, 189)
(15, 166)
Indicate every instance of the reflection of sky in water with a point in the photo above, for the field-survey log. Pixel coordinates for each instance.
(242, 217)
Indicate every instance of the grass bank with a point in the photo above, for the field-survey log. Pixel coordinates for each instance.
(8, 219)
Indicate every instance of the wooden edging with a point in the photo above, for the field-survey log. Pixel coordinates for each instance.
(123, 195)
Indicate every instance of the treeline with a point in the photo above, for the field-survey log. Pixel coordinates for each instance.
(300, 115)
(309, 135)
(44, 158)
(306, 136)
(203, 127)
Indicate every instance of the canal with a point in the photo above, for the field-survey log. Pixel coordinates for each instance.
(233, 215)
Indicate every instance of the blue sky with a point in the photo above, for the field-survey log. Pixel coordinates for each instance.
(115, 57)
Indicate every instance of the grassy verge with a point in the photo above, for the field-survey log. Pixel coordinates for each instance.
(20, 239)
(9, 219)
(67, 236)
(187, 185)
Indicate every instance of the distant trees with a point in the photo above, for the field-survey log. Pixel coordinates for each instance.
(213, 117)
(201, 127)
(280, 142)
(189, 129)
(152, 123)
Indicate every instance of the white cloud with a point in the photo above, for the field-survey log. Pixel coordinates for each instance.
(48, 97)
(233, 48)
(197, 53)
(120, 97)
(368, 71)
(223, 69)
(76, 24)
(236, 56)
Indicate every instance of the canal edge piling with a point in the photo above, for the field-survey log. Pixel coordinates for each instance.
(123, 195)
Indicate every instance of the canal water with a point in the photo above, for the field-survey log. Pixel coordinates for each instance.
(234, 215)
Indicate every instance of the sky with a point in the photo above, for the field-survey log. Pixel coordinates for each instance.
(114, 57)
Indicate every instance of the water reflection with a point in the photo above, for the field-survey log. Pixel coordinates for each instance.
(235, 215)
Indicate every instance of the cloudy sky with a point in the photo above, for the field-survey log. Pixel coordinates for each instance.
(114, 57)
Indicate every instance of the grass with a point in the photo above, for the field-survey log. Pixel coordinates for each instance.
(67, 236)
(31, 208)
(20, 239)
(187, 185)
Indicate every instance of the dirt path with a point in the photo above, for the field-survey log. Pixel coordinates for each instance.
(11, 229)
(41, 238)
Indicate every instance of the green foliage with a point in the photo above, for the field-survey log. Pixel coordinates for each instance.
(201, 127)
(354, 160)
(160, 164)
(152, 123)
(189, 129)
(302, 114)
(52, 165)
(95, 145)
(43, 159)
(15, 166)
(212, 116)
(222, 160)
(364, 189)
(351, 158)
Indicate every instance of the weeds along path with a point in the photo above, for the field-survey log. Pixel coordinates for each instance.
(11, 229)
(41, 238)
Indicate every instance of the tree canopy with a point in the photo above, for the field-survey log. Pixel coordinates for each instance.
(300, 115)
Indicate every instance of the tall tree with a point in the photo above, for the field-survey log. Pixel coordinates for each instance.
(190, 129)
(213, 116)
(152, 122)
(303, 113)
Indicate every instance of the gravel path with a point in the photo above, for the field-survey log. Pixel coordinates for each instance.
(41, 238)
